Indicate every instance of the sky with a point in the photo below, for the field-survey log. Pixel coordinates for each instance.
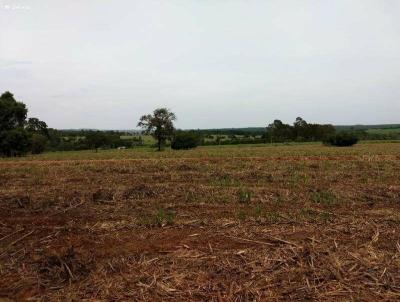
(215, 63)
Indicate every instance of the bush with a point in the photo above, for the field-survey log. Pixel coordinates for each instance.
(38, 143)
(97, 139)
(342, 139)
(185, 140)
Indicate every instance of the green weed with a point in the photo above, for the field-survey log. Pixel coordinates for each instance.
(244, 195)
(161, 218)
(324, 198)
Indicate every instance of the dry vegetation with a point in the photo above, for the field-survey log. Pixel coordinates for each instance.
(286, 223)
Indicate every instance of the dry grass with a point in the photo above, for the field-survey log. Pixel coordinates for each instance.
(286, 223)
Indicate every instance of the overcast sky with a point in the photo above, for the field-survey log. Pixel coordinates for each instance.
(215, 63)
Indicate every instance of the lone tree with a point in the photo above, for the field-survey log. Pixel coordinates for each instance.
(160, 125)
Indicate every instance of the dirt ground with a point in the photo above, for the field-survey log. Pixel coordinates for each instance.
(266, 225)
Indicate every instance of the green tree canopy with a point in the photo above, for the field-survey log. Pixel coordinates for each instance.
(17, 136)
(14, 142)
(185, 140)
(12, 113)
(300, 131)
(35, 125)
(96, 139)
(160, 125)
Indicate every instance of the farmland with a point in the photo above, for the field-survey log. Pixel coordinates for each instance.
(298, 222)
(384, 131)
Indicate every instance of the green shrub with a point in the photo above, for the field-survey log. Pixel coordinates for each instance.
(342, 139)
(185, 140)
(38, 143)
(164, 217)
(160, 218)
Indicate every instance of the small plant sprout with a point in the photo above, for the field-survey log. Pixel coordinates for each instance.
(244, 195)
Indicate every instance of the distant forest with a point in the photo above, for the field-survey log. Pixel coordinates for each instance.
(276, 132)
(364, 132)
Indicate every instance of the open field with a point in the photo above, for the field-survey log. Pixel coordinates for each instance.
(147, 139)
(384, 131)
(228, 223)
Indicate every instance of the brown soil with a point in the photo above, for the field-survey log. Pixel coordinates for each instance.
(312, 229)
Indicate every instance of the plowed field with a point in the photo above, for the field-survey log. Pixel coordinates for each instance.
(258, 223)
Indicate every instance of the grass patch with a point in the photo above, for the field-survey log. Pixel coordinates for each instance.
(324, 198)
(161, 218)
(267, 216)
(244, 195)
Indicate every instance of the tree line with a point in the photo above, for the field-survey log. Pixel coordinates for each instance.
(20, 135)
(300, 131)
(160, 126)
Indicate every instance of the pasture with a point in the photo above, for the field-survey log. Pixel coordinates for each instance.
(384, 131)
(299, 222)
